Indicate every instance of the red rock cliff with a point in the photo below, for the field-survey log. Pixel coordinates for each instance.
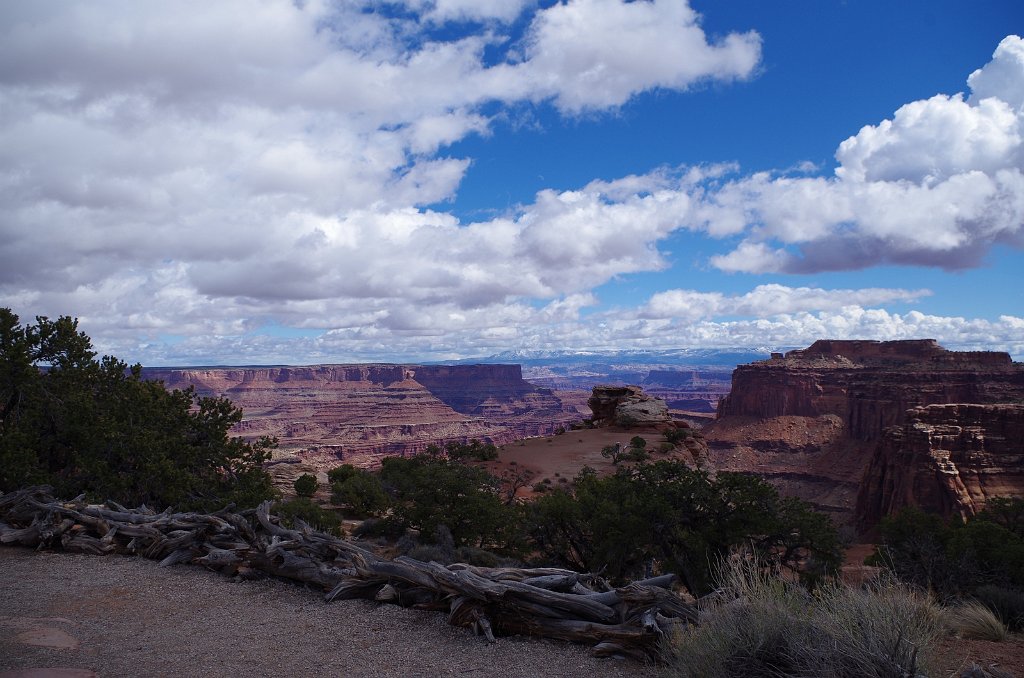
(870, 384)
(812, 420)
(359, 413)
(947, 459)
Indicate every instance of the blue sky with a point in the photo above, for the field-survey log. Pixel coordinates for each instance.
(268, 182)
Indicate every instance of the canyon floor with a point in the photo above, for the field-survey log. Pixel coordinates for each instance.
(559, 458)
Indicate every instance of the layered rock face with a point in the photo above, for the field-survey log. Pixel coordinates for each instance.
(329, 414)
(870, 384)
(813, 420)
(947, 459)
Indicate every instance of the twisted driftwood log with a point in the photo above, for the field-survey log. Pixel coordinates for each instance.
(548, 602)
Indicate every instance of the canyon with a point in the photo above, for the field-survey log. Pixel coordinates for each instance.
(862, 428)
(326, 415)
(857, 428)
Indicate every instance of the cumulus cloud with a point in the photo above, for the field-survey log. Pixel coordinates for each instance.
(440, 11)
(180, 177)
(939, 184)
(202, 168)
(455, 333)
(598, 53)
(767, 300)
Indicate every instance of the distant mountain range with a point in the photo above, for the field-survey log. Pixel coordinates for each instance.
(689, 379)
(686, 357)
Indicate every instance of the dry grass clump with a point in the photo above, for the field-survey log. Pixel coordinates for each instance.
(974, 620)
(762, 626)
(1008, 604)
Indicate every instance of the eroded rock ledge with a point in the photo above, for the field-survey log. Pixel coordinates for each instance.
(627, 406)
(947, 459)
(841, 424)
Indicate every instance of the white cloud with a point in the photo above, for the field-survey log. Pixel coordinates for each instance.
(259, 158)
(939, 184)
(179, 176)
(437, 332)
(765, 301)
(1001, 77)
(599, 53)
(470, 10)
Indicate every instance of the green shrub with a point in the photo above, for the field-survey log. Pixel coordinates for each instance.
(362, 493)
(428, 492)
(310, 512)
(306, 484)
(340, 474)
(1005, 511)
(682, 518)
(97, 427)
(677, 435)
(378, 527)
(950, 557)
(473, 450)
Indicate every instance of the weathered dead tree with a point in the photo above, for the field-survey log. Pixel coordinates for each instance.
(548, 602)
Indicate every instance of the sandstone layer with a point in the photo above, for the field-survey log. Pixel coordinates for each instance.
(947, 459)
(330, 414)
(813, 421)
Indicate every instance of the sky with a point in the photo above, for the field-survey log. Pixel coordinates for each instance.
(271, 182)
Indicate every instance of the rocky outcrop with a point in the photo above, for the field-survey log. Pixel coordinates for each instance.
(629, 407)
(812, 420)
(626, 406)
(947, 459)
(360, 413)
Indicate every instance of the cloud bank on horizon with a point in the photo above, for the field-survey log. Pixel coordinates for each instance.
(278, 182)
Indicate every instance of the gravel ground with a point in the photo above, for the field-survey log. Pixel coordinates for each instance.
(132, 618)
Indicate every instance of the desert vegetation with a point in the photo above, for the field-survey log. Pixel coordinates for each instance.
(977, 562)
(759, 624)
(94, 426)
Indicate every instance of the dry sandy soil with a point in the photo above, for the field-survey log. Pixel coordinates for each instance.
(560, 457)
(82, 616)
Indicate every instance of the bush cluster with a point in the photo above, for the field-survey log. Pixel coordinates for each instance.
(662, 516)
(96, 427)
(667, 516)
(981, 558)
(474, 450)
(310, 513)
(306, 485)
